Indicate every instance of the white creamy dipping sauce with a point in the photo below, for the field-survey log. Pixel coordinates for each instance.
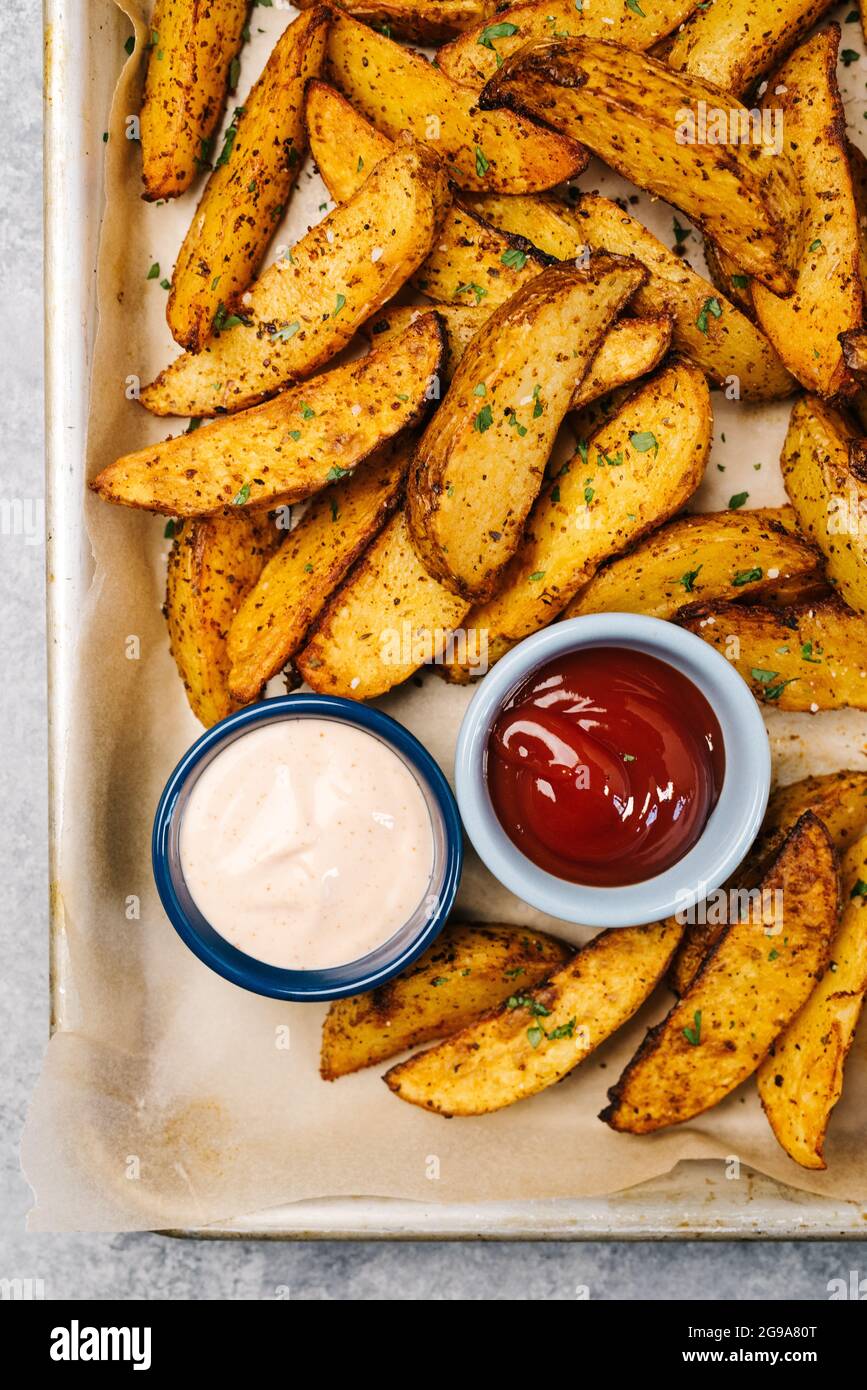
(306, 843)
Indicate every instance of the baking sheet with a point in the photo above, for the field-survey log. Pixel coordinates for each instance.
(166, 1100)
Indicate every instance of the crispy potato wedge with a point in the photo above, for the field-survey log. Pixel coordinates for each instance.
(387, 619)
(708, 328)
(838, 799)
(736, 555)
(344, 144)
(271, 623)
(631, 348)
(212, 565)
(858, 172)
(749, 988)
(827, 484)
(635, 472)
(471, 262)
(537, 1036)
(399, 90)
(305, 308)
(245, 196)
(431, 21)
(801, 1079)
(288, 448)
(467, 971)
(807, 657)
(629, 109)
(189, 62)
(476, 54)
(733, 42)
(480, 463)
(827, 298)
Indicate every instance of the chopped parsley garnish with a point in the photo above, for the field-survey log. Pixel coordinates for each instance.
(680, 233)
(339, 302)
(514, 258)
(747, 577)
(849, 56)
(814, 245)
(281, 335)
(710, 306)
(644, 440)
(738, 500)
(535, 577)
(688, 579)
(504, 30)
(482, 164)
(229, 139)
(307, 412)
(634, 6)
(693, 1035)
(480, 390)
(537, 404)
(859, 890)
(335, 472)
(129, 46)
(484, 419)
(154, 272)
(241, 497)
(740, 282)
(478, 290)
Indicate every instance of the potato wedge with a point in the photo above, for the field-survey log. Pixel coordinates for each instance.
(480, 463)
(471, 262)
(305, 308)
(427, 21)
(476, 54)
(292, 589)
(388, 618)
(252, 179)
(858, 171)
(213, 564)
(631, 348)
(827, 298)
(629, 109)
(807, 657)
(749, 988)
(344, 144)
(736, 555)
(827, 484)
(634, 473)
(537, 1036)
(708, 328)
(288, 448)
(467, 971)
(190, 56)
(732, 42)
(399, 90)
(801, 1079)
(838, 799)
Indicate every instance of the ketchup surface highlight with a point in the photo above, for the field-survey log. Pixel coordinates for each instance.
(605, 765)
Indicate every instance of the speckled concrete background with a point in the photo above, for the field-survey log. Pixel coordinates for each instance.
(148, 1267)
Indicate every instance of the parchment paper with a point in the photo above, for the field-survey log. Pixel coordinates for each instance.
(170, 1098)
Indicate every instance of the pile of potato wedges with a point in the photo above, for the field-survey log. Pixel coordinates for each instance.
(402, 385)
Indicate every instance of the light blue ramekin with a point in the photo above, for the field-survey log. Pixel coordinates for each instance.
(733, 823)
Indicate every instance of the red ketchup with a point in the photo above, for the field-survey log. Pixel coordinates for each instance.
(605, 765)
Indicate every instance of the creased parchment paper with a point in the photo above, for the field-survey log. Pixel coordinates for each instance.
(170, 1098)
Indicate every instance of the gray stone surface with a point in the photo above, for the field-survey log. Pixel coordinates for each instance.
(149, 1267)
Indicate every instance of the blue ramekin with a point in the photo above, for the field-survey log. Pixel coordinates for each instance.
(733, 823)
(355, 976)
